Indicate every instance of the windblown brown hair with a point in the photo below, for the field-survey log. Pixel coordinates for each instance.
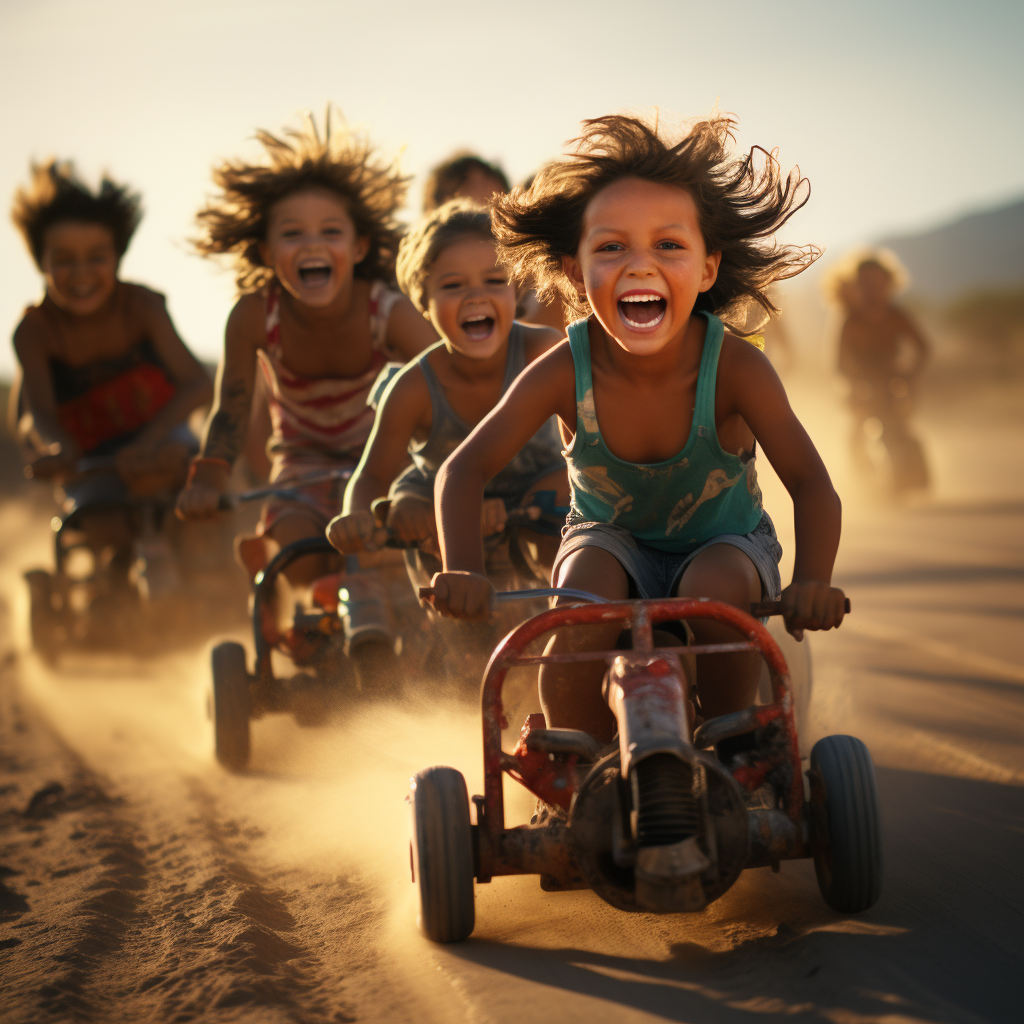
(55, 194)
(342, 161)
(741, 205)
(420, 248)
(445, 180)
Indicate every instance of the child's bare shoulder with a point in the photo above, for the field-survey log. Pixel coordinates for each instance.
(141, 295)
(33, 331)
(538, 340)
(248, 318)
(142, 303)
(408, 391)
(741, 362)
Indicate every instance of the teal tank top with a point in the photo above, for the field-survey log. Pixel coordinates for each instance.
(675, 505)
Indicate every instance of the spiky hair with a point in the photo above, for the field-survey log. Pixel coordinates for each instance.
(55, 194)
(740, 203)
(445, 180)
(341, 160)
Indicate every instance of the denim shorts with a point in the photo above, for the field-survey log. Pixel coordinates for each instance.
(654, 573)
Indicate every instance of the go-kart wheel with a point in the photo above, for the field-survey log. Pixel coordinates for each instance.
(44, 620)
(846, 833)
(442, 854)
(230, 706)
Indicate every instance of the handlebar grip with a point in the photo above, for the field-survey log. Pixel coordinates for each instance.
(763, 609)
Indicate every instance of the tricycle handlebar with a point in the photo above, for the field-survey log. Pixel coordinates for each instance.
(526, 595)
(764, 609)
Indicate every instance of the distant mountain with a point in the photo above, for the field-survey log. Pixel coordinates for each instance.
(981, 250)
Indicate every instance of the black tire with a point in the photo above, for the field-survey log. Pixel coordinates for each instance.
(846, 830)
(442, 854)
(230, 706)
(44, 620)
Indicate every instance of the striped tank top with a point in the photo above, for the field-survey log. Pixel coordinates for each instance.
(328, 415)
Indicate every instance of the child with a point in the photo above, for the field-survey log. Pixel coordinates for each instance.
(313, 236)
(105, 374)
(448, 266)
(463, 175)
(653, 240)
(882, 352)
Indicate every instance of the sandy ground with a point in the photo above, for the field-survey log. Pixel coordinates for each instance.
(139, 882)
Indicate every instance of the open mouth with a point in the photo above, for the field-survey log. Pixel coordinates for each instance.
(314, 274)
(642, 310)
(478, 328)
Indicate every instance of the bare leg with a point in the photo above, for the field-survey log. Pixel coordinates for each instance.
(725, 682)
(571, 694)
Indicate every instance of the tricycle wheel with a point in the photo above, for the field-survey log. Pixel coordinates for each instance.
(44, 620)
(846, 832)
(230, 706)
(442, 854)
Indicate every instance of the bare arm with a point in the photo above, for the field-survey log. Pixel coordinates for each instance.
(193, 386)
(226, 428)
(409, 332)
(919, 342)
(545, 388)
(31, 345)
(224, 437)
(756, 393)
(404, 409)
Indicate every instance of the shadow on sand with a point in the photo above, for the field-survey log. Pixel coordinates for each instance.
(943, 944)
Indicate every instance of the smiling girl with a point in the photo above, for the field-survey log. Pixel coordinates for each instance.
(313, 236)
(448, 266)
(105, 374)
(659, 244)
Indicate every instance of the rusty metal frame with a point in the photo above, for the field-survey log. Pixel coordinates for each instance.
(497, 848)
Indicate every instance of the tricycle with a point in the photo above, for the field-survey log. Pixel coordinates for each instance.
(359, 637)
(126, 576)
(654, 822)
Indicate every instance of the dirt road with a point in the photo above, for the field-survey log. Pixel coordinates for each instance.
(139, 882)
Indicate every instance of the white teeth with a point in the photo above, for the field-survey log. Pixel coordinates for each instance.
(474, 319)
(650, 297)
(314, 265)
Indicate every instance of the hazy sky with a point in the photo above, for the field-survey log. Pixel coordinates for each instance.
(901, 114)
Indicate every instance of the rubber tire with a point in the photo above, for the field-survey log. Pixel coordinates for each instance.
(846, 833)
(44, 621)
(442, 854)
(230, 706)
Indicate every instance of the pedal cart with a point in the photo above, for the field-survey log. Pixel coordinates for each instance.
(146, 591)
(654, 822)
(362, 635)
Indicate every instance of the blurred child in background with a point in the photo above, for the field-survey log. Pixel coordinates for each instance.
(448, 266)
(463, 175)
(466, 175)
(882, 353)
(107, 382)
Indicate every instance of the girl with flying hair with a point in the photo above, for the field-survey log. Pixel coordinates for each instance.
(663, 246)
(311, 232)
(106, 380)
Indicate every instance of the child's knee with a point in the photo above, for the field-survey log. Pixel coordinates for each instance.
(594, 569)
(724, 573)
